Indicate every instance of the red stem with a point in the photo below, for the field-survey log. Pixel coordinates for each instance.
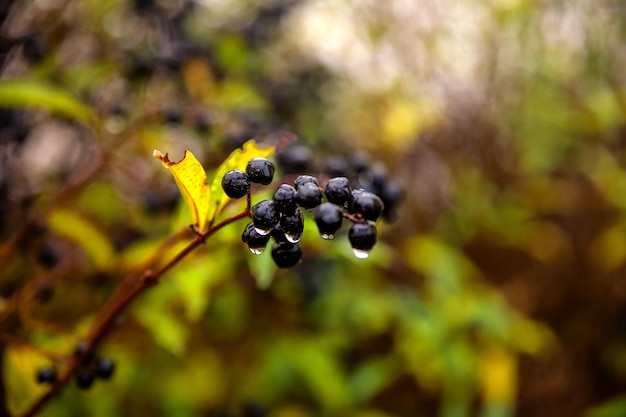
(127, 291)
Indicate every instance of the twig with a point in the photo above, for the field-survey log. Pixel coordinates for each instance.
(128, 290)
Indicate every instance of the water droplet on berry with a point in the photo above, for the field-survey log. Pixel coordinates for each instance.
(256, 251)
(293, 238)
(360, 253)
(327, 236)
(262, 232)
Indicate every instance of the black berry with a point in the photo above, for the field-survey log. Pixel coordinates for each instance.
(338, 190)
(47, 375)
(172, 116)
(367, 204)
(278, 235)
(202, 124)
(294, 159)
(292, 225)
(82, 348)
(84, 378)
(260, 170)
(392, 194)
(256, 242)
(362, 237)
(48, 256)
(264, 215)
(285, 198)
(286, 255)
(34, 48)
(359, 163)
(308, 195)
(104, 368)
(328, 218)
(236, 183)
(305, 179)
(254, 410)
(336, 167)
(374, 179)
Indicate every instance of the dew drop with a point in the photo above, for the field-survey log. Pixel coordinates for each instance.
(360, 253)
(262, 232)
(256, 251)
(293, 238)
(327, 236)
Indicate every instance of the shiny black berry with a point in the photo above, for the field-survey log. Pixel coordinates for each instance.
(305, 179)
(308, 195)
(256, 242)
(84, 378)
(264, 215)
(285, 198)
(286, 255)
(367, 204)
(46, 375)
(328, 218)
(338, 190)
(278, 235)
(236, 183)
(260, 171)
(362, 236)
(104, 368)
(292, 225)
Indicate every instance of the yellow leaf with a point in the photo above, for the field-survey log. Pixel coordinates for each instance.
(207, 201)
(238, 159)
(498, 375)
(190, 178)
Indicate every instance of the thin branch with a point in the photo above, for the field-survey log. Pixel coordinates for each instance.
(128, 290)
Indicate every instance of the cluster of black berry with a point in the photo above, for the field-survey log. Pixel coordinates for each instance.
(282, 217)
(92, 368)
(357, 167)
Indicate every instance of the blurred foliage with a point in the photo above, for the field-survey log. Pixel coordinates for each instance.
(497, 291)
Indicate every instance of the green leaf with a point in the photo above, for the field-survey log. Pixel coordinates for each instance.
(94, 242)
(167, 329)
(614, 407)
(373, 375)
(316, 363)
(238, 159)
(42, 96)
(263, 269)
(194, 282)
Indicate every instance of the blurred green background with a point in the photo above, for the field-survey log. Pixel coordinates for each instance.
(498, 290)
